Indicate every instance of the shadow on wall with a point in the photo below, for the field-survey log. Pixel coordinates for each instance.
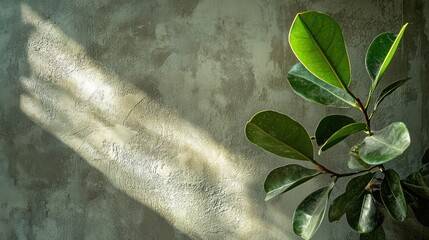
(143, 148)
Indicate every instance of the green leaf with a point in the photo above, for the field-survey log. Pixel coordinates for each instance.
(416, 184)
(355, 162)
(309, 87)
(388, 90)
(318, 43)
(363, 215)
(280, 134)
(355, 188)
(385, 145)
(380, 53)
(393, 196)
(377, 234)
(285, 178)
(329, 125)
(309, 214)
(424, 171)
(420, 207)
(341, 134)
(425, 158)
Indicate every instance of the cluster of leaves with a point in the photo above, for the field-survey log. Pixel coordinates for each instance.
(323, 76)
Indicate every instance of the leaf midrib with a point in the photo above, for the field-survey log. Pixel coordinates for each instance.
(321, 52)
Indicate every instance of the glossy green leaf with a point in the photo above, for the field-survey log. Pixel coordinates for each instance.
(424, 171)
(385, 145)
(420, 207)
(364, 216)
(393, 196)
(309, 87)
(416, 184)
(380, 53)
(425, 158)
(377, 234)
(329, 125)
(309, 213)
(341, 134)
(376, 194)
(355, 188)
(388, 90)
(279, 134)
(355, 162)
(285, 178)
(318, 43)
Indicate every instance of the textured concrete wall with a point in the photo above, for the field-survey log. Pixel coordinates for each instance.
(124, 119)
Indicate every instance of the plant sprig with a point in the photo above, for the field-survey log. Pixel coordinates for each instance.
(323, 75)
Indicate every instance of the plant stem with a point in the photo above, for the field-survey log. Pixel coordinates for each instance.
(355, 173)
(361, 107)
(325, 170)
(365, 113)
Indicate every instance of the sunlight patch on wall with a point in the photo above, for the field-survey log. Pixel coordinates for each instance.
(144, 149)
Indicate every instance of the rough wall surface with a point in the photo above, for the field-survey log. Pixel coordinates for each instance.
(123, 119)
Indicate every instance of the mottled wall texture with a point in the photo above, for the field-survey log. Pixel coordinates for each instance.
(124, 119)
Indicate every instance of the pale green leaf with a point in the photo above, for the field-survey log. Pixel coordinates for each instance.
(385, 145)
(355, 162)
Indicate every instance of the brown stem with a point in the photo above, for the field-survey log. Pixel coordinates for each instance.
(365, 113)
(325, 170)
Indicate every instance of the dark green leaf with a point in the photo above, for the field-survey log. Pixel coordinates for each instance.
(363, 215)
(306, 85)
(355, 162)
(283, 179)
(377, 234)
(424, 171)
(341, 134)
(393, 196)
(318, 43)
(380, 53)
(355, 188)
(329, 125)
(415, 183)
(376, 194)
(420, 207)
(385, 145)
(309, 214)
(425, 158)
(388, 90)
(279, 134)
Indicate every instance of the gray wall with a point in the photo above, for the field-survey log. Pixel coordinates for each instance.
(123, 119)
